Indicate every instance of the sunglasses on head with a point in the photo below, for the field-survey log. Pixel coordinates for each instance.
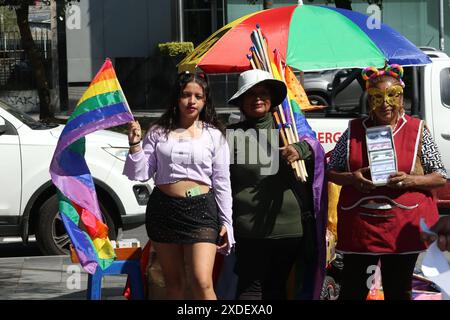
(186, 75)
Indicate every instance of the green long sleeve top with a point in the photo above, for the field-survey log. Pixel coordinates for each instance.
(266, 206)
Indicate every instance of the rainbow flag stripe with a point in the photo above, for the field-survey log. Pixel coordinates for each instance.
(103, 105)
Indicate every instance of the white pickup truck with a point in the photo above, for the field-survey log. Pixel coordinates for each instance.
(28, 203)
(427, 95)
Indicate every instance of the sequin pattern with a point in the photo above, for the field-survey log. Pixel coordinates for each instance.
(182, 220)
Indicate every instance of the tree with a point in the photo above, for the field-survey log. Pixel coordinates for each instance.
(21, 8)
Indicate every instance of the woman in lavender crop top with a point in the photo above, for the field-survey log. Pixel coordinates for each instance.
(188, 216)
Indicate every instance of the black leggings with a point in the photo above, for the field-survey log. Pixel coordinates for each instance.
(263, 267)
(396, 275)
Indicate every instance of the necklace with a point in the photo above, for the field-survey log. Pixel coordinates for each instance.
(399, 116)
(395, 126)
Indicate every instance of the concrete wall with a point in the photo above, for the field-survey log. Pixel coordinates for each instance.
(24, 100)
(115, 28)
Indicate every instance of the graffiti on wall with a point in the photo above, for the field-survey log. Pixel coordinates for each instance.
(26, 101)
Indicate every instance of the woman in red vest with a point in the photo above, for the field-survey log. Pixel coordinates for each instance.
(381, 223)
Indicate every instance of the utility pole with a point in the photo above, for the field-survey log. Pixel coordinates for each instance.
(180, 21)
(441, 25)
(59, 56)
(3, 29)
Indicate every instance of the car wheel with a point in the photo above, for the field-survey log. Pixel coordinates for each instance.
(317, 100)
(51, 235)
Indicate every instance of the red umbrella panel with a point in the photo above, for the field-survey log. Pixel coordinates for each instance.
(226, 50)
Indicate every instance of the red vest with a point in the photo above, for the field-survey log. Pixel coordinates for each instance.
(393, 228)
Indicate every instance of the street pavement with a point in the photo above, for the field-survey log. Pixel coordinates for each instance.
(56, 278)
(25, 275)
(51, 277)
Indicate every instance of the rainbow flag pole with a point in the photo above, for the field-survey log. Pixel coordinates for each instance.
(278, 64)
(103, 105)
(260, 50)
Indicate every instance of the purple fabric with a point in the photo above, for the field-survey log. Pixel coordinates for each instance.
(74, 187)
(74, 135)
(96, 115)
(320, 198)
(85, 252)
(79, 193)
(286, 111)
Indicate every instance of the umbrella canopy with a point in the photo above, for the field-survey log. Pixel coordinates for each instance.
(308, 38)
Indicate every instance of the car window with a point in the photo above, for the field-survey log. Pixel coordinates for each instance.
(445, 84)
(338, 91)
(10, 129)
(25, 118)
(351, 102)
(408, 90)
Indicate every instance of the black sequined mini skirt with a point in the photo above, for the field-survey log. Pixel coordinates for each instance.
(182, 220)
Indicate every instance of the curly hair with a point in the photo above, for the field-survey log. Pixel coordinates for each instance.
(169, 121)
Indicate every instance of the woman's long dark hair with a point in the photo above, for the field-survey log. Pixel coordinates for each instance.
(169, 121)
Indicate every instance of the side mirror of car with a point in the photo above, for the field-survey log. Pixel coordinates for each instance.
(2, 125)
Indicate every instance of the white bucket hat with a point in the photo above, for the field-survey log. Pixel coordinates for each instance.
(251, 78)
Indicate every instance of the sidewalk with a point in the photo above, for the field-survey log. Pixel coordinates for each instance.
(51, 278)
(56, 278)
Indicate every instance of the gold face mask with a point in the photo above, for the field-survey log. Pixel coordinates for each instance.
(392, 95)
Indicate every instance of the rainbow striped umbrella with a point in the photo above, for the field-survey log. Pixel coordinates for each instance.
(308, 38)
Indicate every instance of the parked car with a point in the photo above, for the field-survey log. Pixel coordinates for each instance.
(320, 86)
(28, 202)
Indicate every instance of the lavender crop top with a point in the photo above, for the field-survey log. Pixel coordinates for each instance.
(205, 159)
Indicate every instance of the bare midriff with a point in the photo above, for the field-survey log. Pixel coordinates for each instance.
(178, 189)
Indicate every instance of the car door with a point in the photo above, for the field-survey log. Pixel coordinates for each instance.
(441, 109)
(10, 173)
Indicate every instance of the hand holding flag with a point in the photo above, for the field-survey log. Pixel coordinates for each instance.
(103, 105)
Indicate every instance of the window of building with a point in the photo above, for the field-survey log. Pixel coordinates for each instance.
(202, 18)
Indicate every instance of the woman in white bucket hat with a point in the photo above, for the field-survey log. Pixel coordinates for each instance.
(270, 206)
(249, 79)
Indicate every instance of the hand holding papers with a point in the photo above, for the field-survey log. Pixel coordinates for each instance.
(435, 265)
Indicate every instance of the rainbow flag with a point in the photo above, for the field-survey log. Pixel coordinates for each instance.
(294, 86)
(103, 105)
